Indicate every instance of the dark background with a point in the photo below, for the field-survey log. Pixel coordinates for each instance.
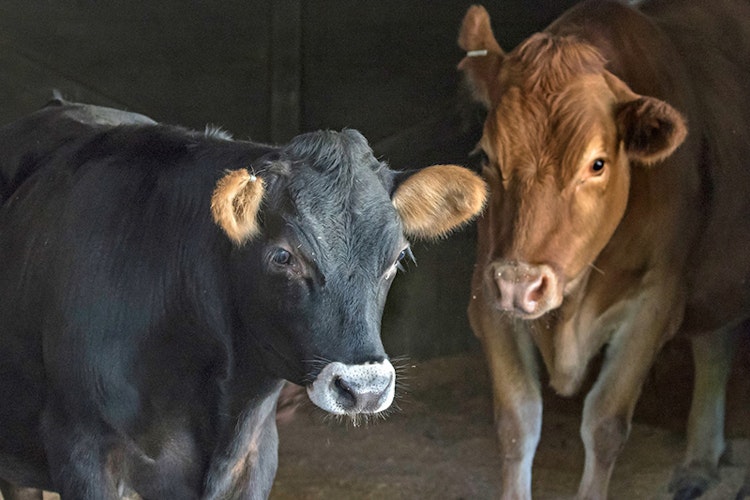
(266, 70)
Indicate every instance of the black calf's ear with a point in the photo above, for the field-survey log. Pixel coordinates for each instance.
(235, 204)
(651, 129)
(435, 200)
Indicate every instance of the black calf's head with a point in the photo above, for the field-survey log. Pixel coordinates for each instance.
(320, 231)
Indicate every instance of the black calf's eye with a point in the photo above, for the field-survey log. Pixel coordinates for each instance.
(281, 257)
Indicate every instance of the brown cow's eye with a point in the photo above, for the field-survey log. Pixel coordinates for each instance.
(478, 159)
(483, 158)
(597, 166)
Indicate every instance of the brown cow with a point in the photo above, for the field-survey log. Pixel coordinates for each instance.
(609, 226)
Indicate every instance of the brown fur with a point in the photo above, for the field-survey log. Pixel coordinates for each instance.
(547, 64)
(611, 256)
(437, 199)
(235, 204)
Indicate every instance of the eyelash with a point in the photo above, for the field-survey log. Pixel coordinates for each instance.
(406, 252)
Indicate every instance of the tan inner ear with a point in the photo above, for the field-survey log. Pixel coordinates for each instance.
(438, 199)
(235, 203)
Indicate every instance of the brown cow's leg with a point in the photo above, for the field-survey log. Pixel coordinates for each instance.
(608, 408)
(517, 399)
(12, 492)
(712, 357)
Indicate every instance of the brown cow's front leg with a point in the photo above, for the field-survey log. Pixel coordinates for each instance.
(517, 399)
(608, 408)
(712, 358)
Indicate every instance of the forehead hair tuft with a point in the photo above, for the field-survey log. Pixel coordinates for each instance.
(329, 151)
(546, 63)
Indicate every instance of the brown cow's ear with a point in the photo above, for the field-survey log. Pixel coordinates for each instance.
(235, 204)
(651, 129)
(437, 199)
(483, 54)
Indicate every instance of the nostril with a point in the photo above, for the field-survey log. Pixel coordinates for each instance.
(538, 289)
(345, 392)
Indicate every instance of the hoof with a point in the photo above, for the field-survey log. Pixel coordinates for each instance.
(689, 482)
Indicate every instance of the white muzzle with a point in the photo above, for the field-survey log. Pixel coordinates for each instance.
(351, 389)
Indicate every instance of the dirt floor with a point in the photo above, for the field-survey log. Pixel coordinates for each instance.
(440, 443)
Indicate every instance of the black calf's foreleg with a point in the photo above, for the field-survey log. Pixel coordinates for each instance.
(77, 458)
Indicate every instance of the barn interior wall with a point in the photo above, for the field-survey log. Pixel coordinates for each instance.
(265, 69)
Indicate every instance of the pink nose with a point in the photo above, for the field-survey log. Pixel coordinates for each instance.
(524, 289)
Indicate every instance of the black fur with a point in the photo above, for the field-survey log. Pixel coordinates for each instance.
(139, 346)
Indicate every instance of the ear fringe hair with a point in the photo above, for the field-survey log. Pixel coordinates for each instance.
(235, 204)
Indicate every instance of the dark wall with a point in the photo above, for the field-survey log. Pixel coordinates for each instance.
(186, 62)
(380, 66)
(268, 69)
(387, 65)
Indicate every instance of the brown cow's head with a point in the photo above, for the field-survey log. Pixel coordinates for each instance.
(560, 139)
